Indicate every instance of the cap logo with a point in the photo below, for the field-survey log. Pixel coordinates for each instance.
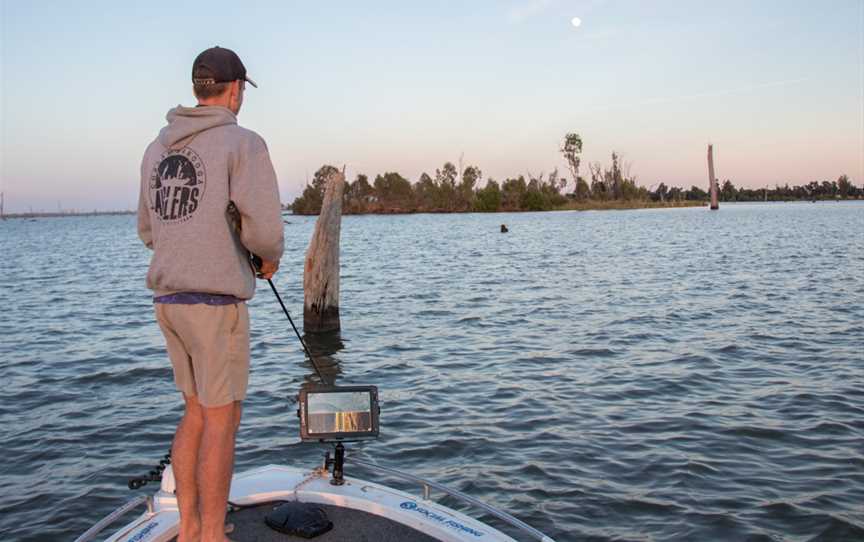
(207, 81)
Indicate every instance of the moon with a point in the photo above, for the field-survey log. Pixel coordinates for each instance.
(576, 22)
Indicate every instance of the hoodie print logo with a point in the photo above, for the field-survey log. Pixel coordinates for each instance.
(177, 185)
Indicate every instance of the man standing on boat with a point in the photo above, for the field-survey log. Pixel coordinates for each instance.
(209, 198)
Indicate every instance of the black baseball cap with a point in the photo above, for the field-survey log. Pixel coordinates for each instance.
(219, 65)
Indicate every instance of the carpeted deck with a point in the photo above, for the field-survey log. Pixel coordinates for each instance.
(348, 526)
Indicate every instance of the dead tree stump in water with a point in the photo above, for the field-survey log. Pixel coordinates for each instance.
(712, 180)
(321, 269)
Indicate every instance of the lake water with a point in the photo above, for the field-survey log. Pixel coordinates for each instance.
(669, 374)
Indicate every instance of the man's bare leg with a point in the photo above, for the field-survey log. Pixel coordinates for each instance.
(215, 467)
(184, 459)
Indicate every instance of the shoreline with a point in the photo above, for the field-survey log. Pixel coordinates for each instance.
(62, 214)
(570, 206)
(618, 205)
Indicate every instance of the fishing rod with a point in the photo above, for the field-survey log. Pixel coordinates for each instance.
(256, 265)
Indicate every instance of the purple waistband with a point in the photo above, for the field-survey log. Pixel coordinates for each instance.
(193, 298)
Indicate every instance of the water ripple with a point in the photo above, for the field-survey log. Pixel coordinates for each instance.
(650, 375)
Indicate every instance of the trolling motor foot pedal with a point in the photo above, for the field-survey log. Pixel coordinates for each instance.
(298, 519)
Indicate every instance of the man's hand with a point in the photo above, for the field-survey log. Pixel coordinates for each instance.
(267, 269)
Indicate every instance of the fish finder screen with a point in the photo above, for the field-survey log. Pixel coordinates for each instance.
(340, 412)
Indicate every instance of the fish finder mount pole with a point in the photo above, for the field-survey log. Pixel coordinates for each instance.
(338, 464)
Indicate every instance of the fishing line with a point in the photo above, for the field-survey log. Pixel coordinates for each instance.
(255, 262)
(302, 342)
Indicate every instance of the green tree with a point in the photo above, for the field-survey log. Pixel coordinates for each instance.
(309, 203)
(425, 193)
(598, 184)
(532, 200)
(393, 191)
(728, 192)
(539, 193)
(445, 180)
(470, 177)
(572, 151)
(358, 195)
(319, 180)
(844, 187)
(554, 183)
(313, 195)
(581, 191)
(511, 193)
(488, 198)
(615, 178)
(696, 194)
(550, 189)
(360, 188)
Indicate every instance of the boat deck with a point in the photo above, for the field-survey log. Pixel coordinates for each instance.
(348, 526)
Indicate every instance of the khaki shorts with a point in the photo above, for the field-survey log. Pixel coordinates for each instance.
(209, 349)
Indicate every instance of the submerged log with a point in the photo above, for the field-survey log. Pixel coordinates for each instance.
(712, 180)
(321, 270)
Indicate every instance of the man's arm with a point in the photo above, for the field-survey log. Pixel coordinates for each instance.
(145, 231)
(255, 193)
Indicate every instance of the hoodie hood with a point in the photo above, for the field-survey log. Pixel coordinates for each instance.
(184, 123)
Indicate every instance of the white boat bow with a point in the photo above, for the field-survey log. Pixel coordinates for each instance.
(372, 506)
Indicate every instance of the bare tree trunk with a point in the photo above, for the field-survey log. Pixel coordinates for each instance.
(321, 271)
(712, 180)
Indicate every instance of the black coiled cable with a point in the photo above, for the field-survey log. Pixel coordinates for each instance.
(154, 475)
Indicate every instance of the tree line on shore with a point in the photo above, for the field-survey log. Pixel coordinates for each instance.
(842, 188)
(458, 189)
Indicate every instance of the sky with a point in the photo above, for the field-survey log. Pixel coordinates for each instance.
(777, 86)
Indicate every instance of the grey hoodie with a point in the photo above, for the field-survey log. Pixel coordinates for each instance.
(208, 197)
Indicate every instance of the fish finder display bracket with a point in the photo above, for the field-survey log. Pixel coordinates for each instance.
(338, 414)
